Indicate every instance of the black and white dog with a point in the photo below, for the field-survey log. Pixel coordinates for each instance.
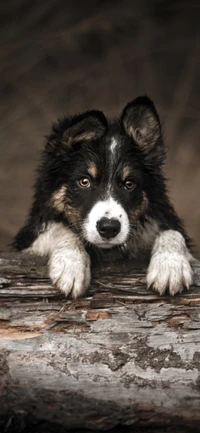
(100, 185)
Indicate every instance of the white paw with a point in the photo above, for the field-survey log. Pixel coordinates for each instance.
(170, 270)
(69, 270)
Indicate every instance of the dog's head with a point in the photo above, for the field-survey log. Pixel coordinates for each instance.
(105, 175)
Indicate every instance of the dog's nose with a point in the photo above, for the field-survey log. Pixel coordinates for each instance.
(108, 228)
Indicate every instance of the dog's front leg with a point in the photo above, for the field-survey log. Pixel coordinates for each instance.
(69, 263)
(170, 263)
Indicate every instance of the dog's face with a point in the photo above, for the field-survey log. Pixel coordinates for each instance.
(101, 172)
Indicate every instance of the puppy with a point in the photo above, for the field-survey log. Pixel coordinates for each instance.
(100, 184)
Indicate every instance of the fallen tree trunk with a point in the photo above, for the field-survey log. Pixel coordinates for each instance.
(121, 355)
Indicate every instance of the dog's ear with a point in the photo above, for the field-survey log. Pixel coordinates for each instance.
(71, 131)
(87, 126)
(141, 122)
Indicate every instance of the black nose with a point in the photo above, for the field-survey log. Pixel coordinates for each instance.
(108, 228)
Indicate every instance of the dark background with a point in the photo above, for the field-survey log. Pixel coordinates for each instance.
(60, 56)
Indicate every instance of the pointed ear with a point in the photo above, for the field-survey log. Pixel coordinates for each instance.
(141, 122)
(83, 127)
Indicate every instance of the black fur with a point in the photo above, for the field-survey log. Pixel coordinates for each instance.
(76, 141)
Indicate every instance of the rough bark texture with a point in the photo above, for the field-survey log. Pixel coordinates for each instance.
(121, 355)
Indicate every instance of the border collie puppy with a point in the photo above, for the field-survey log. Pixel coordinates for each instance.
(100, 185)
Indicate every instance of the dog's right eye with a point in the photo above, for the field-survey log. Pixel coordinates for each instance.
(84, 182)
(129, 184)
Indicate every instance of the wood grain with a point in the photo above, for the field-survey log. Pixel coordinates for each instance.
(120, 355)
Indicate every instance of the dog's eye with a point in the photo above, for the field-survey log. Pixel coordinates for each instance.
(84, 182)
(129, 184)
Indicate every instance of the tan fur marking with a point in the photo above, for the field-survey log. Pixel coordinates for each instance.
(79, 137)
(84, 136)
(131, 132)
(73, 215)
(141, 209)
(125, 172)
(58, 199)
(92, 169)
(59, 202)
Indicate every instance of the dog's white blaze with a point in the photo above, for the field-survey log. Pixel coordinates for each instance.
(112, 157)
(109, 208)
(170, 263)
(113, 145)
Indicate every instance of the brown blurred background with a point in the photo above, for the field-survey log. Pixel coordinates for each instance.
(64, 56)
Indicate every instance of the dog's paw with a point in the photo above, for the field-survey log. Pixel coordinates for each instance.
(169, 270)
(69, 270)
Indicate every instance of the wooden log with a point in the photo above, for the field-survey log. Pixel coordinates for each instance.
(120, 355)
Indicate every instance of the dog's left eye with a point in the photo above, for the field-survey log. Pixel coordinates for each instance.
(129, 184)
(84, 182)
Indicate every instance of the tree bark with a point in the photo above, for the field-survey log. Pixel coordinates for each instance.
(120, 355)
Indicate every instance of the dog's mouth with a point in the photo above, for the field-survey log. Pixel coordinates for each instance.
(105, 245)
